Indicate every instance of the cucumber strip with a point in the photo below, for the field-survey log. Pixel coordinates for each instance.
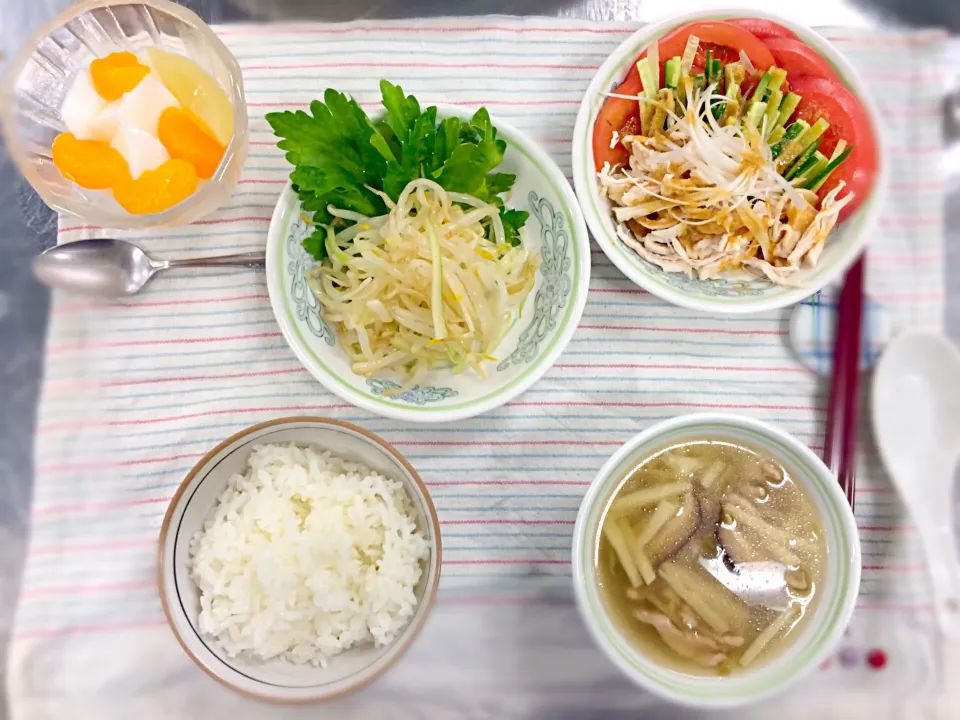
(717, 71)
(815, 168)
(777, 76)
(798, 164)
(817, 181)
(649, 77)
(793, 132)
(805, 162)
(787, 107)
(708, 67)
(773, 111)
(755, 113)
(689, 54)
(671, 73)
(800, 181)
(796, 147)
(761, 88)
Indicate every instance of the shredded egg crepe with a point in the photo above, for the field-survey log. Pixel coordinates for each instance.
(704, 196)
(423, 286)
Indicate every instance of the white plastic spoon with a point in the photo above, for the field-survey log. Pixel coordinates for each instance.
(916, 418)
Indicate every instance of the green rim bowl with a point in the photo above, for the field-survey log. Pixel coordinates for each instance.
(547, 321)
(720, 295)
(819, 634)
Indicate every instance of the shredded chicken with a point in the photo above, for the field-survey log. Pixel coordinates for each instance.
(706, 199)
(690, 644)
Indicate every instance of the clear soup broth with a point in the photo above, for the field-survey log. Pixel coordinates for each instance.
(709, 557)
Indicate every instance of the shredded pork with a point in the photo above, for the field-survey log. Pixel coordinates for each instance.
(706, 199)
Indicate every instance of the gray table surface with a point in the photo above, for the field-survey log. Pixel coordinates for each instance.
(27, 226)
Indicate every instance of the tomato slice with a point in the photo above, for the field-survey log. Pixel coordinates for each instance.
(799, 59)
(725, 42)
(763, 29)
(613, 116)
(832, 101)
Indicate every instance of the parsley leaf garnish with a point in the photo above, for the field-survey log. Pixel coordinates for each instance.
(341, 157)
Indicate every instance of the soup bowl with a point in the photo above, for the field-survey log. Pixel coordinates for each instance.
(808, 645)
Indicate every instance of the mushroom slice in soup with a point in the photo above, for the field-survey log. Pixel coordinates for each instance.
(677, 532)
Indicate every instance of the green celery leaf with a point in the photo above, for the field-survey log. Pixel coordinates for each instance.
(315, 244)
(498, 183)
(447, 139)
(465, 170)
(332, 154)
(512, 221)
(402, 110)
(419, 148)
(341, 157)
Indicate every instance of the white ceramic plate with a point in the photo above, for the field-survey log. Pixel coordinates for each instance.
(548, 319)
(280, 680)
(720, 295)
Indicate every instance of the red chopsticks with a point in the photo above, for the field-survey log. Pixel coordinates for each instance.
(839, 447)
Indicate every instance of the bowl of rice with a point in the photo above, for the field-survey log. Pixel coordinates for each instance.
(299, 559)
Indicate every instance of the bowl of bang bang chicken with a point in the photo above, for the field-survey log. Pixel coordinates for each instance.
(729, 164)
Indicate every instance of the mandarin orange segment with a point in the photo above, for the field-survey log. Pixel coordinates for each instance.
(91, 164)
(116, 74)
(159, 189)
(184, 136)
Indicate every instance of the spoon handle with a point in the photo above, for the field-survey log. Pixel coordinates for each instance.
(251, 259)
(935, 523)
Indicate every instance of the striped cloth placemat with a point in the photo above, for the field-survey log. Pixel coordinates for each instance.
(136, 391)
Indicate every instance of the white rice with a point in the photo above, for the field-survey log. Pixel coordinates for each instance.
(307, 555)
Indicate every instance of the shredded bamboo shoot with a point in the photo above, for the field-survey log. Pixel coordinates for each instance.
(665, 510)
(770, 541)
(747, 510)
(786, 619)
(712, 473)
(641, 498)
(614, 535)
(692, 596)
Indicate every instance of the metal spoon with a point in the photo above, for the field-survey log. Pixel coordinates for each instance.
(109, 268)
(916, 418)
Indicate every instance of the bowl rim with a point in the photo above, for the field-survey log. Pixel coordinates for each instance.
(576, 303)
(409, 632)
(235, 150)
(593, 616)
(862, 223)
